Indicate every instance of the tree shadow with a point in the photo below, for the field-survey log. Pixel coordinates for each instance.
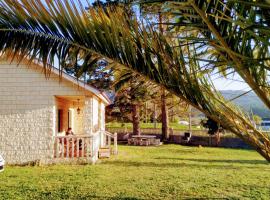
(109, 198)
(216, 160)
(135, 198)
(175, 165)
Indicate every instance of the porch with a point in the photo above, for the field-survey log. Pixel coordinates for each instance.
(85, 115)
(85, 148)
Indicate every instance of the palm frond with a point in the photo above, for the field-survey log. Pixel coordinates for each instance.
(59, 29)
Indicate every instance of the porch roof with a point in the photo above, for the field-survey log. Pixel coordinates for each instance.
(83, 84)
(80, 83)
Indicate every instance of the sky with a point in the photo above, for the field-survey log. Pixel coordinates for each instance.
(231, 83)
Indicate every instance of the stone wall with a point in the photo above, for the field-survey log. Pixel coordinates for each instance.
(95, 116)
(88, 113)
(28, 111)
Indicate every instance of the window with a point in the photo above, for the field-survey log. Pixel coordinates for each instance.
(265, 124)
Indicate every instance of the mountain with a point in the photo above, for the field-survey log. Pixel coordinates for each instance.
(249, 102)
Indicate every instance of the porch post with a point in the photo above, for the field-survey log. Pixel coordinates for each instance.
(99, 116)
(88, 115)
(99, 124)
(115, 143)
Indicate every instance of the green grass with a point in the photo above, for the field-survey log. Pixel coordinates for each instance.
(149, 125)
(165, 172)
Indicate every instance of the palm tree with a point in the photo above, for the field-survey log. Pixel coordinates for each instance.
(232, 36)
(30, 29)
(164, 117)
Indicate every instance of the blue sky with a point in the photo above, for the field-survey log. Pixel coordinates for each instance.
(232, 83)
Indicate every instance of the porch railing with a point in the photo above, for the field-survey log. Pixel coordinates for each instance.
(108, 139)
(74, 146)
(84, 146)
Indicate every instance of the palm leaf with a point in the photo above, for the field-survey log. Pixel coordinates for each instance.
(61, 30)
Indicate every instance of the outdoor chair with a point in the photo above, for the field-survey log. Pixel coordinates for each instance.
(187, 137)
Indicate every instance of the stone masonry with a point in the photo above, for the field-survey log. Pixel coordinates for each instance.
(27, 111)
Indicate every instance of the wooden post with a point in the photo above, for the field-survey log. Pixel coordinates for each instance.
(115, 144)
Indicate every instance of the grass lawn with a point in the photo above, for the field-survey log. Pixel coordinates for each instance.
(165, 172)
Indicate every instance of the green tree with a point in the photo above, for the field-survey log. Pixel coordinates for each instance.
(257, 119)
(131, 92)
(214, 128)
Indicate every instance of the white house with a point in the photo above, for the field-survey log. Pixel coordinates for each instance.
(35, 112)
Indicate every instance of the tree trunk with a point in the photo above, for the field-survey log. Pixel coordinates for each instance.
(217, 138)
(146, 120)
(189, 120)
(164, 117)
(155, 115)
(136, 119)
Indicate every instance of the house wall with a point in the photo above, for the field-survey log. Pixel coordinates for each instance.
(91, 122)
(28, 112)
(79, 121)
(95, 114)
(102, 116)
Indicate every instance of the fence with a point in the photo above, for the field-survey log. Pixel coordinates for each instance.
(199, 137)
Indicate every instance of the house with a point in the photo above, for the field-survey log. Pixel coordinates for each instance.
(265, 124)
(35, 112)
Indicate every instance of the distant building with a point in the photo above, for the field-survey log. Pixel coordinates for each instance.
(265, 124)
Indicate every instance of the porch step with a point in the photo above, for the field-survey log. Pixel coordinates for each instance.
(104, 152)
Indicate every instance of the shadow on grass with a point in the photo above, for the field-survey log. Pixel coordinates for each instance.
(133, 198)
(109, 198)
(176, 165)
(216, 161)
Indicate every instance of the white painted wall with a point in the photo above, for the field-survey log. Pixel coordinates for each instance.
(28, 111)
(102, 115)
(95, 114)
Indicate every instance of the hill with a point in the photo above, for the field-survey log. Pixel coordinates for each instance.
(249, 102)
